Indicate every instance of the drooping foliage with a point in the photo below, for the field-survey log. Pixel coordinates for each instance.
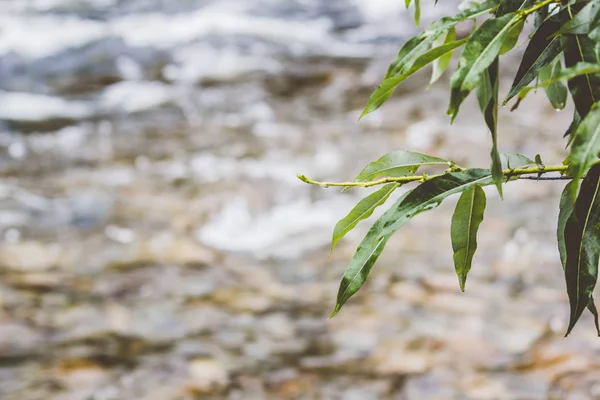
(561, 55)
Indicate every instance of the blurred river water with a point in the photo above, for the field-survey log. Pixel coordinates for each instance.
(157, 245)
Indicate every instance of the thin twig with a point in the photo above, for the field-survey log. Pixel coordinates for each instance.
(514, 173)
(545, 178)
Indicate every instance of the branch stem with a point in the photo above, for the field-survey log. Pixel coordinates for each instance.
(508, 173)
(536, 7)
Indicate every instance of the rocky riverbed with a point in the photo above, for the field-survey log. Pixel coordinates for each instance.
(156, 244)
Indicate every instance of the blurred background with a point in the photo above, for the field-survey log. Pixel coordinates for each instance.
(157, 245)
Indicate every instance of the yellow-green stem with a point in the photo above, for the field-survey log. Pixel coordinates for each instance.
(508, 173)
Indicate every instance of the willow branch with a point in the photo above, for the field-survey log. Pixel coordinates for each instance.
(510, 173)
(536, 7)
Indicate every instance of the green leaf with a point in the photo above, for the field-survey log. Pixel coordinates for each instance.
(363, 210)
(570, 133)
(424, 197)
(512, 37)
(582, 239)
(387, 87)
(487, 94)
(595, 34)
(586, 144)
(417, 12)
(445, 23)
(441, 64)
(581, 23)
(594, 310)
(556, 92)
(515, 160)
(581, 69)
(409, 52)
(509, 6)
(480, 51)
(465, 223)
(539, 17)
(397, 164)
(540, 51)
(585, 88)
(567, 204)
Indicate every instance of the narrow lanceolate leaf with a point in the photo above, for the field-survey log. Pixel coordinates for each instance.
(582, 22)
(556, 92)
(586, 144)
(487, 94)
(581, 69)
(465, 224)
(387, 87)
(585, 88)
(567, 204)
(515, 160)
(363, 210)
(582, 240)
(441, 64)
(509, 6)
(417, 12)
(512, 37)
(539, 17)
(570, 133)
(443, 24)
(594, 310)
(424, 197)
(481, 50)
(397, 164)
(540, 51)
(408, 53)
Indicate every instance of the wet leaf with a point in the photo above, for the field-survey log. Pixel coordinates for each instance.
(397, 164)
(540, 51)
(363, 210)
(581, 69)
(556, 92)
(585, 145)
(481, 50)
(441, 64)
(424, 197)
(487, 95)
(387, 87)
(582, 242)
(465, 224)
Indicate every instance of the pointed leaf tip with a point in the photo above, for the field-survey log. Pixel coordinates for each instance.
(336, 310)
(424, 197)
(466, 219)
(582, 244)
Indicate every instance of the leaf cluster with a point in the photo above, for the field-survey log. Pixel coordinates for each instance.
(561, 56)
